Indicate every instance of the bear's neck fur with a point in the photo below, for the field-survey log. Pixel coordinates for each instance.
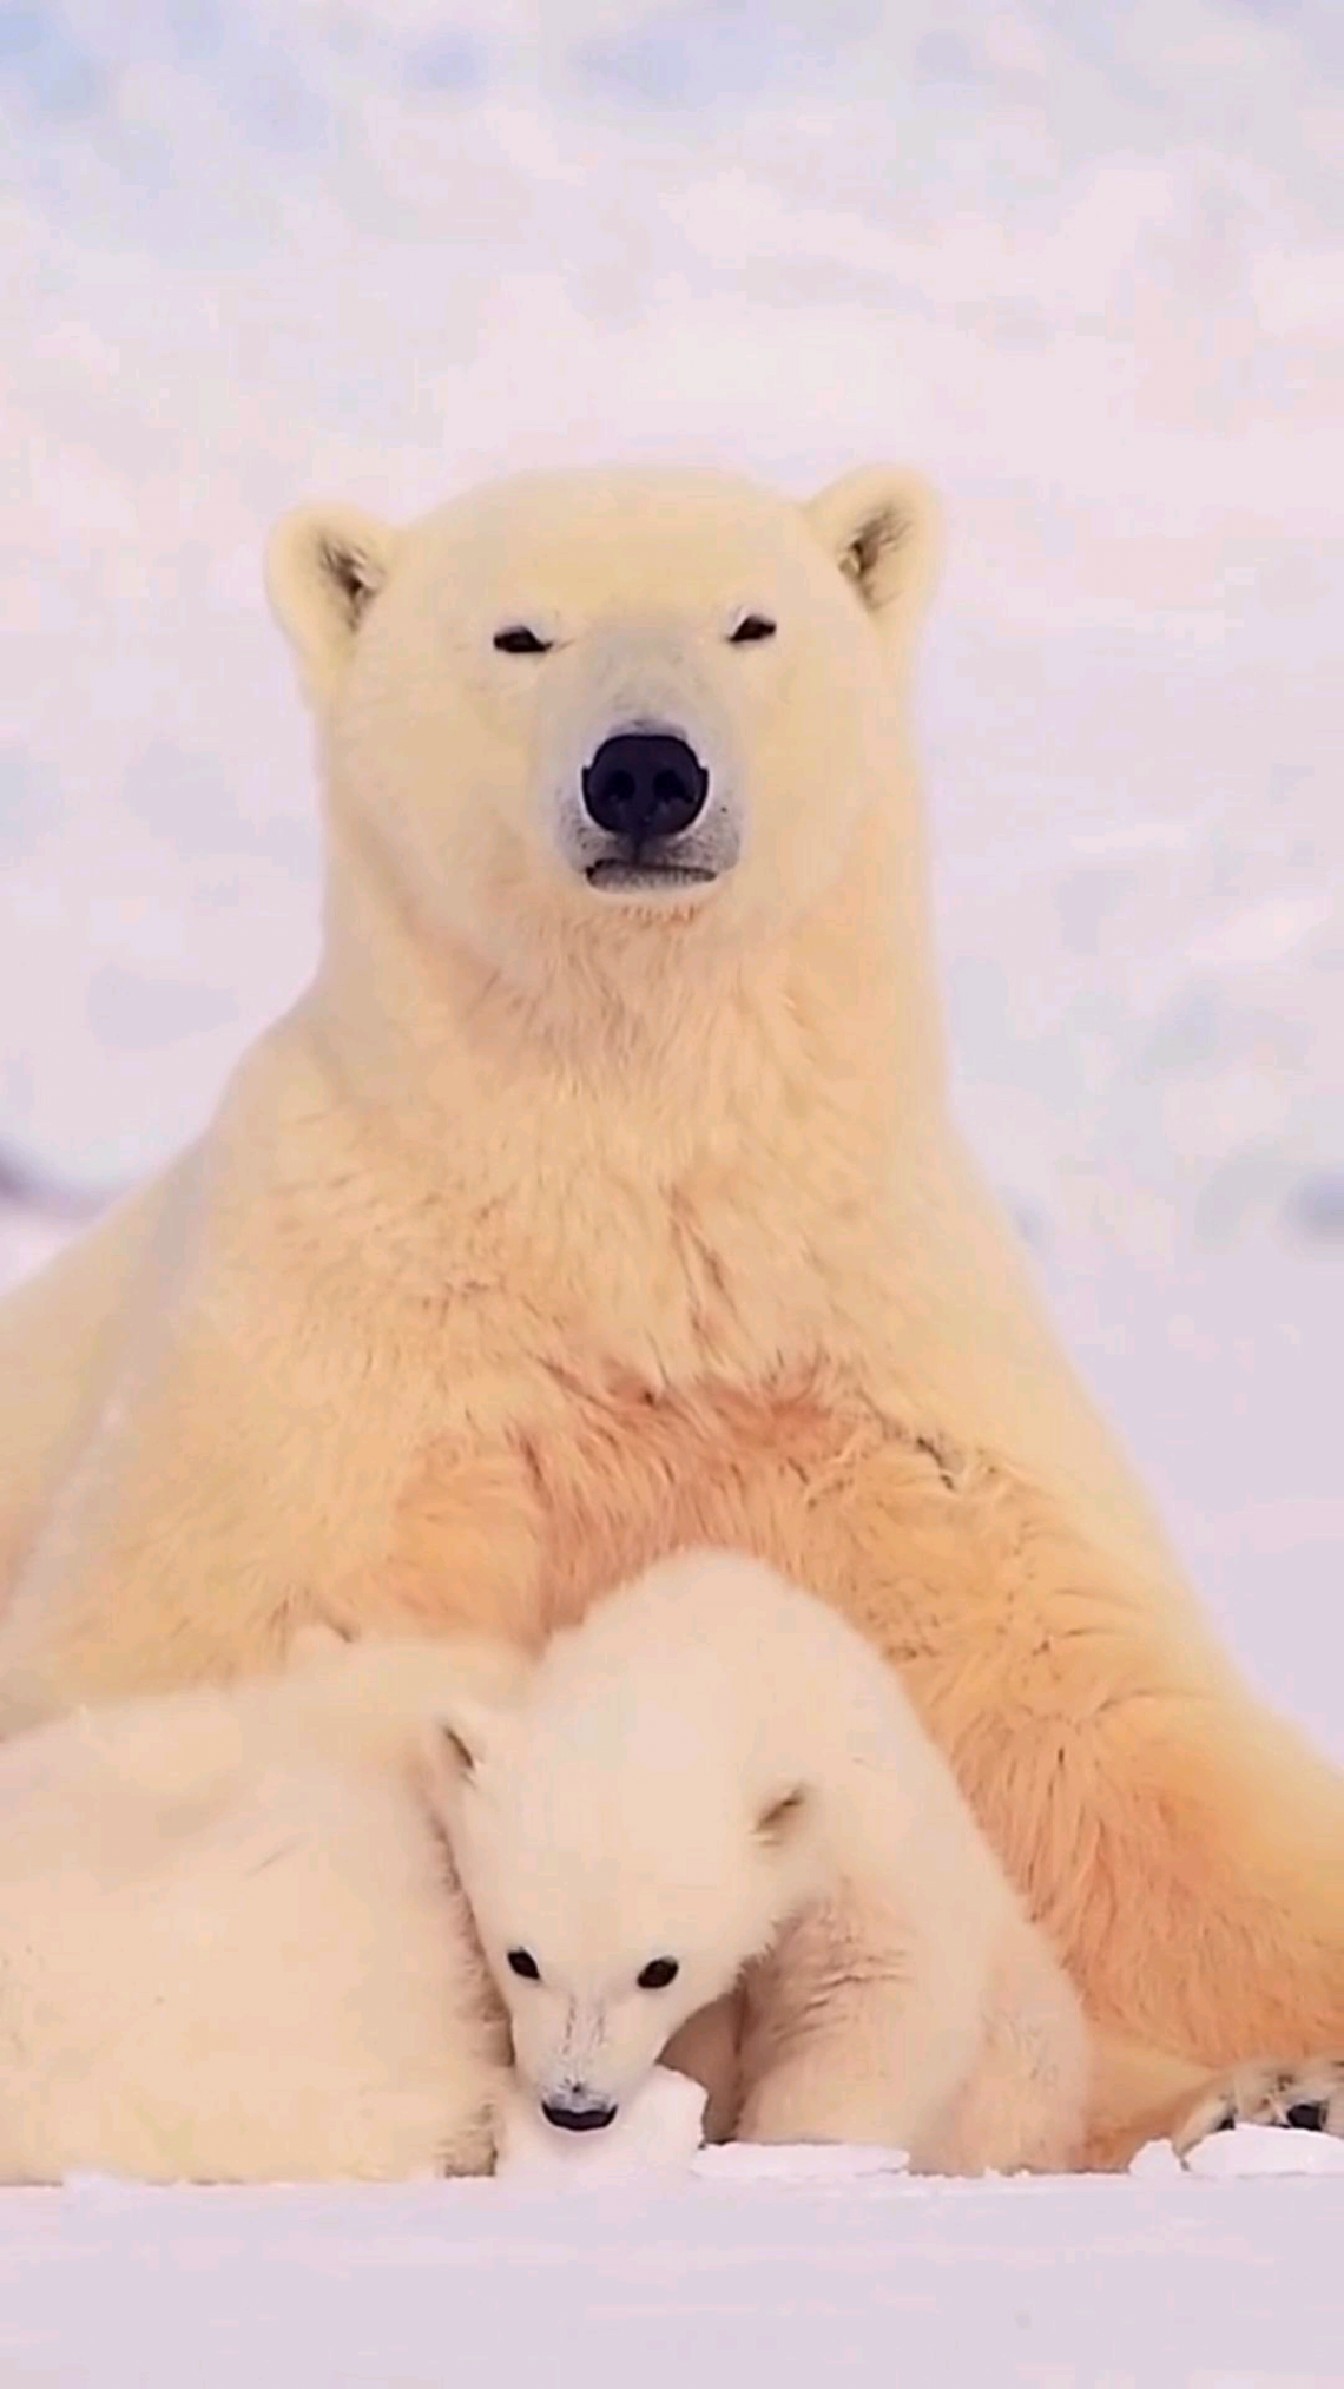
(774, 1124)
(670, 1041)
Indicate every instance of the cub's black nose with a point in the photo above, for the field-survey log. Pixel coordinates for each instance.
(570, 2118)
(644, 785)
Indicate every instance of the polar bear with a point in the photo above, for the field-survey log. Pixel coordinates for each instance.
(712, 1779)
(233, 1947)
(602, 1196)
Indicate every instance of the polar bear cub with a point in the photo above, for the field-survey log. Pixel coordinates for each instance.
(231, 1947)
(235, 1944)
(714, 1781)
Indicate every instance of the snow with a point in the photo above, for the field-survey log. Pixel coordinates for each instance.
(1252, 2151)
(1085, 265)
(1055, 2285)
(798, 2162)
(27, 1239)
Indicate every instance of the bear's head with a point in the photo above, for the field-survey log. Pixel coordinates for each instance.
(582, 710)
(623, 1866)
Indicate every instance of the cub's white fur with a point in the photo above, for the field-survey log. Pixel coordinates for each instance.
(712, 1773)
(230, 1945)
(235, 1946)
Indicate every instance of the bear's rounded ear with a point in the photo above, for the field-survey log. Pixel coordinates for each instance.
(782, 1814)
(881, 526)
(459, 1752)
(457, 1741)
(324, 567)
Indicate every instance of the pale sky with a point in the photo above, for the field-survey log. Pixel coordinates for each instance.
(1083, 263)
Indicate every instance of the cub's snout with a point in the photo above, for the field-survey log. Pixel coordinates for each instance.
(578, 2112)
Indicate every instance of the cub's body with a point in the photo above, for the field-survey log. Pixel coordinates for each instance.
(714, 1782)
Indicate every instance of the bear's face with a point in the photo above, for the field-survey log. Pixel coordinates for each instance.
(612, 1901)
(632, 706)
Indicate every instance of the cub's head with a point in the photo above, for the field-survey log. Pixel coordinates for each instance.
(609, 706)
(620, 1881)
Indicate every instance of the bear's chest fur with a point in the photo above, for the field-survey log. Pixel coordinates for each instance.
(589, 1487)
(570, 1430)
(565, 1357)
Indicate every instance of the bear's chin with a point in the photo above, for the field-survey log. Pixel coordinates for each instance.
(613, 876)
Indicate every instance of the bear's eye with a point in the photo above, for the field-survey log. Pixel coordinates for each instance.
(523, 1964)
(658, 1974)
(751, 629)
(520, 639)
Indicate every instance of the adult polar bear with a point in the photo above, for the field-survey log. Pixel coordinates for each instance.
(601, 1197)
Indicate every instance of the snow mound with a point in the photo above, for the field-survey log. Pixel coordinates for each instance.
(1248, 2151)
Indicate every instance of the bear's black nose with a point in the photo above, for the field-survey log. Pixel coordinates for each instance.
(571, 2117)
(644, 785)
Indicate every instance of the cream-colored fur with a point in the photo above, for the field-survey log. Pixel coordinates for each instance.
(712, 1772)
(556, 1228)
(233, 1949)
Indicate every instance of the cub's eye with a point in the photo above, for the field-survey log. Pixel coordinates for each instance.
(751, 629)
(658, 1974)
(522, 1963)
(520, 639)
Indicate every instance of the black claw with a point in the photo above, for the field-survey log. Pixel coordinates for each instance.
(1309, 2115)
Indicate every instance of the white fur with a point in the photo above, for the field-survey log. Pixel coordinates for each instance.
(558, 1228)
(230, 1945)
(713, 1768)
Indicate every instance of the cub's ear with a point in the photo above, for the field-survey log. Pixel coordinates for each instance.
(324, 567)
(457, 1750)
(782, 1815)
(881, 526)
(457, 1743)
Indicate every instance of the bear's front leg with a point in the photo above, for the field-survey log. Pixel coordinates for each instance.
(853, 2034)
(212, 1513)
(707, 2047)
(1183, 1848)
(1023, 2105)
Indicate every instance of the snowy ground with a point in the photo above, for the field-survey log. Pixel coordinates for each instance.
(1086, 2285)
